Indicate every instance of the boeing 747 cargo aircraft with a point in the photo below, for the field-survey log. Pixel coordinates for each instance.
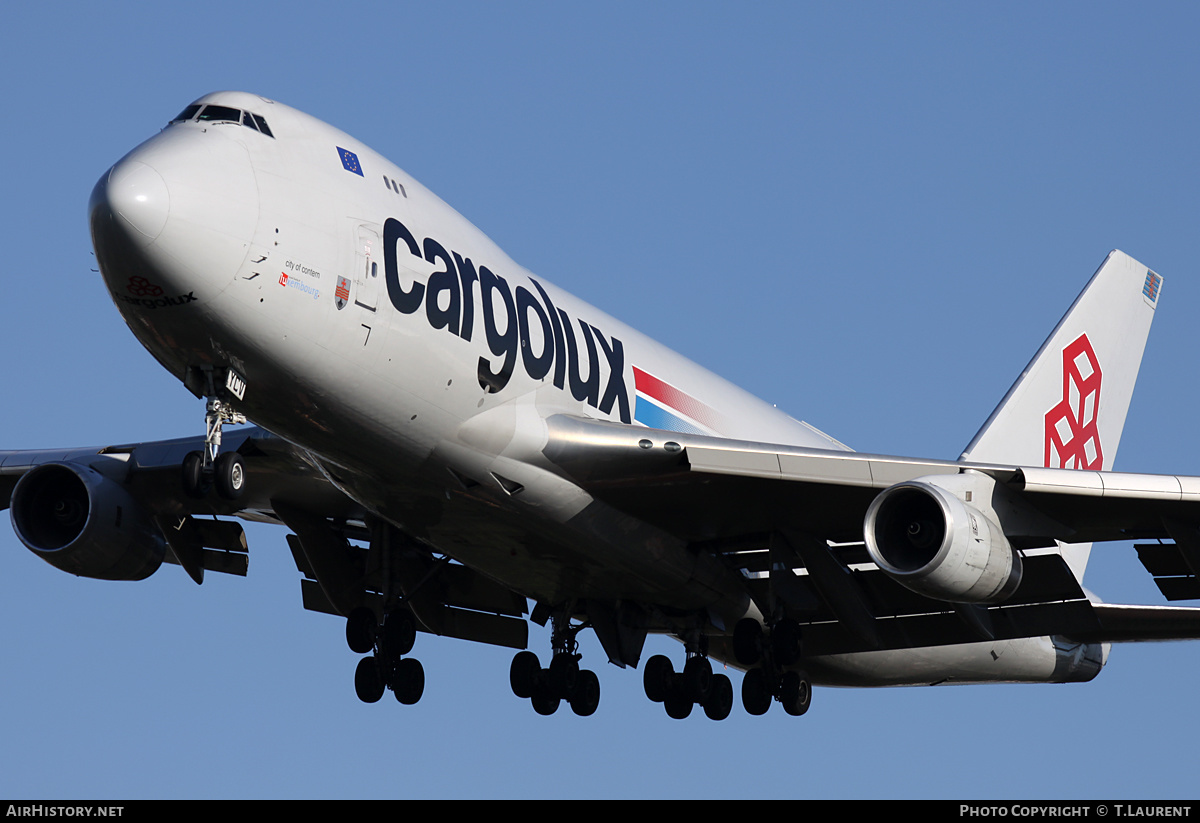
(454, 446)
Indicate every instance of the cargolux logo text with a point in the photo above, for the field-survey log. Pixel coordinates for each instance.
(516, 322)
(149, 295)
(1072, 436)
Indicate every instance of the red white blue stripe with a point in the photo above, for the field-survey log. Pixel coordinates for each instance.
(660, 405)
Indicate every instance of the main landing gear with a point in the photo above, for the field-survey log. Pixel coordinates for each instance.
(771, 680)
(562, 680)
(696, 685)
(386, 667)
(202, 470)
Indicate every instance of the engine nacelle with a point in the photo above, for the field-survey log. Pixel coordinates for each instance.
(80, 521)
(933, 543)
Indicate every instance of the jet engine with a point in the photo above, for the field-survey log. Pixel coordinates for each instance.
(932, 542)
(80, 521)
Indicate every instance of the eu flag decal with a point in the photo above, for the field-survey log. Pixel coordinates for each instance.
(350, 161)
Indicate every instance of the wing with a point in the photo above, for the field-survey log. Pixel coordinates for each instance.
(827, 533)
(119, 512)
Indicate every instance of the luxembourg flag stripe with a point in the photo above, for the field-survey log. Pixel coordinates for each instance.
(660, 406)
(654, 416)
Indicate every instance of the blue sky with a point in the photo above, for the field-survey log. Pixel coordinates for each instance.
(869, 214)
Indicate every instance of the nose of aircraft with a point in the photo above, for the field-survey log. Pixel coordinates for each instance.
(176, 216)
(137, 194)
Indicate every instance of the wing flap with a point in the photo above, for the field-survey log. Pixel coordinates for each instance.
(1125, 624)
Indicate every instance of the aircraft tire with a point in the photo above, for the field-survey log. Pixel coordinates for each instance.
(795, 693)
(720, 699)
(756, 697)
(564, 673)
(360, 630)
(785, 642)
(408, 681)
(657, 677)
(698, 679)
(544, 702)
(368, 680)
(193, 476)
(586, 698)
(678, 704)
(747, 641)
(523, 674)
(399, 632)
(230, 475)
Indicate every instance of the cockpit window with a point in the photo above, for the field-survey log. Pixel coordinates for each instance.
(224, 114)
(262, 124)
(188, 113)
(221, 113)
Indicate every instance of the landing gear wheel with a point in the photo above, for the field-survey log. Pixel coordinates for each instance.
(785, 642)
(720, 699)
(230, 475)
(523, 674)
(756, 697)
(368, 680)
(360, 630)
(795, 693)
(194, 485)
(399, 632)
(747, 641)
(563, 674)
(678, 704)
(408, 681)
(586, 697)
(697, 679)
(657, 677)
(544, 703)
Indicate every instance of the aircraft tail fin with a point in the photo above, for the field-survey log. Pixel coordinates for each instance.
(1068, 407)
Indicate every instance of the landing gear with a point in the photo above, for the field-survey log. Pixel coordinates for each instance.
(229, 475)
(361, 628)
(748, 641)
(195, 485)
(696, 685)
(795, 692)
(202, 470)
(408, 681)
(791, 687)
(586, 696)
(720, 701)
(386, 668)
(523, 674)
(562, 679)
(368, 680)
(756, 693)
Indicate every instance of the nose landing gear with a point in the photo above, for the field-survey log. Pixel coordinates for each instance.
(202, 470)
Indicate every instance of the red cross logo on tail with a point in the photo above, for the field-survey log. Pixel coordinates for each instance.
(1072, 437)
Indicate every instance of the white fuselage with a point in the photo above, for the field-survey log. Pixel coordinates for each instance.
(416, 362)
